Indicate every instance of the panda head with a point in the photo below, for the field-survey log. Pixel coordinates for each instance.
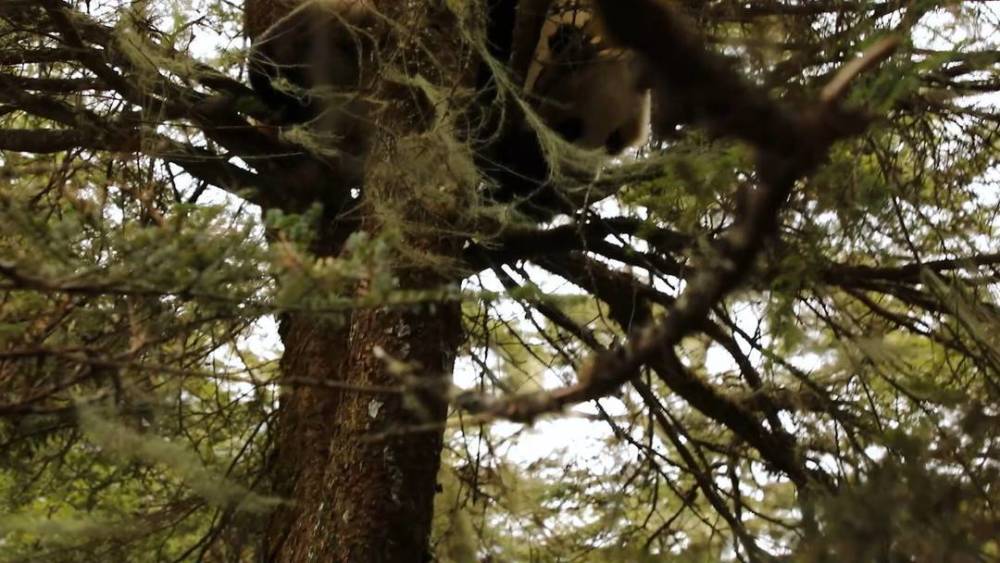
(588, 93)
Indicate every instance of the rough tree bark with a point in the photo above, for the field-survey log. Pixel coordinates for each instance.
(351, 497)
(356, 499)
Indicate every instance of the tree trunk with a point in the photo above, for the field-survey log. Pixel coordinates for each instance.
(315, 349)
(361, 491)
(359, 467)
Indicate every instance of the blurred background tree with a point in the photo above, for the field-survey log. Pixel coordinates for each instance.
(215, 348)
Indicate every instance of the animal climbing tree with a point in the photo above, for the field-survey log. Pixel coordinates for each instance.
(767, 333)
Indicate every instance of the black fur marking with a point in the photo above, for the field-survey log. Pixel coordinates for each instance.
(616, 143)
(569, 129)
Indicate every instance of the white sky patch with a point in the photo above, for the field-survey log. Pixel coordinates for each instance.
(567, 436)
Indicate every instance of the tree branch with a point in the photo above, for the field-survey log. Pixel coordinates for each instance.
(789, 145)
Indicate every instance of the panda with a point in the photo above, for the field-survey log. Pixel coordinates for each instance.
(593, 95)
(311, 61)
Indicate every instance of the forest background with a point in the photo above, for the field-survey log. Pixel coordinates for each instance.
(767, 334)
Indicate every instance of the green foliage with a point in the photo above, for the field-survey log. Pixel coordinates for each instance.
(706, 170)
(117, 439)
(139, 366)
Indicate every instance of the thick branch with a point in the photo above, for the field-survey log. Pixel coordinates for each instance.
(791, 146)
(526, 244)
(48, 141)
(907, 273)
(289, 176)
